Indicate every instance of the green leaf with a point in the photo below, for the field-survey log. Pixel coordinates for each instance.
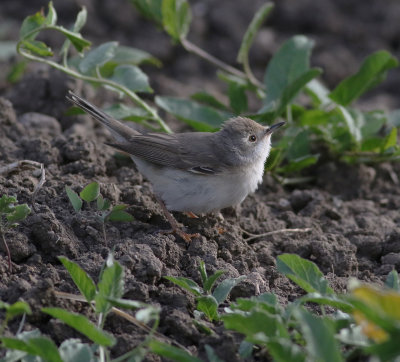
(74, 198)
(122, 111)
(120, 207)
(131, 77)
(371, 123)
(176, 18)
(352, 127)
(91, 192)
(201, 118)
(36, 346)
(187, 284)
(203, 272)
(51, 18)
(82, 325)
(73, 350)
(332, 300)
(37, 48)
(318, 92)
(133, 56)
(283, 350)
(392, 280)
(237, 97)
(257, 325)
(224, 288)
(319, 335)
(19, 213)
(209, 306)
(299, 145)
(289, 63)
(17, 309)
(209, 283)
(298, 164)
(252, 30)
(372, 145)
(209, 100)
(17, 70)
(150, 9)
(274, 159)
(372, 71)
(100, 202)
(6, 204)
(76, 39)
(391, 139)
(387, 351)
(31, 23)
(304, 273)
(170, 352)
(293, 88)
(80, 21)
(81, 279)
(267, 302)
(119, 215)
(97, 57)
(111, 285)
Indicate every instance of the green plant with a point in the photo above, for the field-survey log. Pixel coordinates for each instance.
(10, 216)
(327, 124)
(208, 301)
(91, 193)
(110, 65)
(365, 322)
(101, 297)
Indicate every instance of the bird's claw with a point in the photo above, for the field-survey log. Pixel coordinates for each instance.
(185, 236)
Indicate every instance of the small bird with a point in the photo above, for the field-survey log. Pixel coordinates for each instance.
(194, 172)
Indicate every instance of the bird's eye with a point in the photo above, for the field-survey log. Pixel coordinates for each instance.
(252, 138)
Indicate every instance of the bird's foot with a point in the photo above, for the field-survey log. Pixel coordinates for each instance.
(191, 215)
(185, 236)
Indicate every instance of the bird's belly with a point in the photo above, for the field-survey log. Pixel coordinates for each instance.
(186, 191)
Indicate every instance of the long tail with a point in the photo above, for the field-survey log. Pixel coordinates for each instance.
(120, 131)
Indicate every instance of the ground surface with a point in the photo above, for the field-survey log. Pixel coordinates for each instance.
(353, 212)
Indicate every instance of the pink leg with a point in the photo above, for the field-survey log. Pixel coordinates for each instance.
(174, 224)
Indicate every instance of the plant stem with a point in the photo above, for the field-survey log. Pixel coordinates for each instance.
(100, 323)
(7, 249)
(250, 75)
(102, 81)
(194, 49)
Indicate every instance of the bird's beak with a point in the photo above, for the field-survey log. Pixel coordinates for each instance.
(273, 128)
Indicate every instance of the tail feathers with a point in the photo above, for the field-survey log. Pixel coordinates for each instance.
(118, 129)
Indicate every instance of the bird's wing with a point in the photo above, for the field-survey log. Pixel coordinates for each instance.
(194, 152)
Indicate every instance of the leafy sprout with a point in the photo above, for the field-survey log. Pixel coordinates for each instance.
(10, 215)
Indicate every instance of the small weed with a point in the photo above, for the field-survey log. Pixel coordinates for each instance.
(10, 216)
(101, 297)
(366, 320)
(207, 301)
(91, 193)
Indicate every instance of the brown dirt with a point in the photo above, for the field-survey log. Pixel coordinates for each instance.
(352, 211)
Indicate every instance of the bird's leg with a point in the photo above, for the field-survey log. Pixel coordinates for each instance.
(174, 224)
(191, 215)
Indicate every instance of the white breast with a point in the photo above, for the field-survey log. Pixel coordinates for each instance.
(186, 191)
